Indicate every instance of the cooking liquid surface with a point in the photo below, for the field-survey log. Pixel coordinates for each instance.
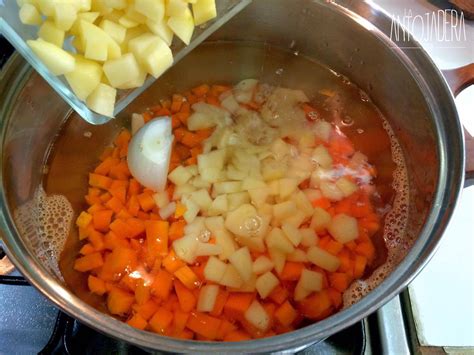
(76, 151)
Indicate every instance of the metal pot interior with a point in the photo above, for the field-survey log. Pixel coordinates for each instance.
(403, 84)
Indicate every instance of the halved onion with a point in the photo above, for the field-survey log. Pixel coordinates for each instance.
(149, 153)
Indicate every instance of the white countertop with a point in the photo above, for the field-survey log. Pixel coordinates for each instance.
(442, 296)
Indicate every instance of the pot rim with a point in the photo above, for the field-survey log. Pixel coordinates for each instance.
(449, 185)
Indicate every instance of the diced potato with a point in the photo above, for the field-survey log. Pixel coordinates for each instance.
(257, 316)
(266, 283)
(248, 286)
(199, 120)
(255, 244)
(226, 241)
(202, 199)
(259, 196)
(277, 240)
(251, 183)
(312, 194)
(196, 229)
(122, 70)
(319, 175)
(226, 187)
(182, 190)
(192, 209)
(84, 78)
(346, 186)
(309, 237)
(176, 8)
(157, 58)
(284, 210)
(343, 228)
(161, 198)
(322, 129)
(185, 248)
(154, 10)
(309, 281)
(300, 293)
(214, 269)
(211, 160)
(320, 220)
(116, 4)
(292, 233)
(54, 58)
(278, 258)
(261, 265)
(237, 199)
(46, 7)
(203, 11)
(98, 44)
(231, 277)
(83, 16)
(230, 104)
(323, 259)
(273, 169)
(134, 15)
(167, 211)
(116, 31)
(287, 186)
(127, 22)
(298, 256)
(207, 249)
(182, 26)
(207, 298)
(243, 91)
(322, 157)
(274, 187)
(29, 15)
(302, 203)
(52, 34)
(245, 222)
(64, 15)
(214, 224)
(218, 206)
(280, 149)
(331, 191)
(242, 261)
(161, 29)
(296, 219)
(180, 175)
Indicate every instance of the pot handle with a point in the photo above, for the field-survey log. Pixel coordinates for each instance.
(458, 79)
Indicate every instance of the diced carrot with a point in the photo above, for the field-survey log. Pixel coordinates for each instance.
(120, 192)
(142, 292)
(237, 335)
(123, 214)
(339, 281)
(315, 305)
(237, 304)
(134, 187)
(176, 103)
(333, 246)
(128, 283)
(97, 240)
(286, 314)
(204, 325)
(199, 270)
(123, 138)
(161, 286)
(104, 167)
(96, 285)
(360, 262)
(279, 294)
(87, 249)
(201, 90)
(114, 204)
(161, 320)
(346, 262)
(133, 206)
(212, 100)
(219, 305)
(136, 226)
(180, 210)
(95, 207)
(83, 219)
(88, 262)
(146, 310)
(101, 220)
(171, 262)
(336, 297)
(137, 321)
(322, 202)
(120, 260)
(120, 171)
(186, 298)
(225, 328)
(105, 197)
(157, 237)
(119, 302)
(176, 230)
(100, 181)
(291, 271)
(112, 240)
(179, 321)
(120, 227)
(217, 90)
(366, 249)
(146, 201)
(106, 153)
(187, 277)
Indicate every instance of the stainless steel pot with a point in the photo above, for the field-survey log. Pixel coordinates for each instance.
(352, 38)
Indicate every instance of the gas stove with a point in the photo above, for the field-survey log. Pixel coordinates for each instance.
(29, 323)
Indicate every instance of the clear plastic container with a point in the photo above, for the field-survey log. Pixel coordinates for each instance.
(17, 34)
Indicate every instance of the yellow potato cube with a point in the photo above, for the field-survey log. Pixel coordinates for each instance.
(161, 28)
(323, 259)
(257, 316)
(242, 261)
(84, 78)
(204, 10)
(157, 58)
(86, 16)
(343, 228)
(29, 15)
(182, 26)
(114, 30)
(207, 298)
(50, 33)
(153, 10)
(64, 15)
(176, 8)
(102, 100)
(54, 58)
(139, 81)
(266, 283)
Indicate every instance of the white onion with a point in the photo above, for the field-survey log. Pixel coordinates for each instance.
(149, 153)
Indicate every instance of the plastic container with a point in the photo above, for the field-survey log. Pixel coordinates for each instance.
(17, 34)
